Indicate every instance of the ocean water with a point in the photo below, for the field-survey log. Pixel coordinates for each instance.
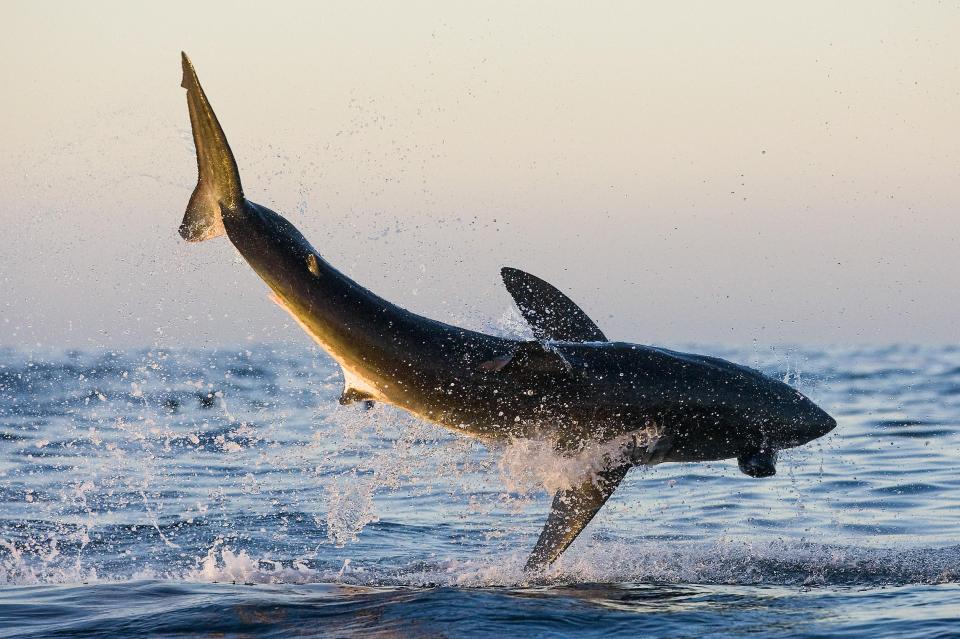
(179, 492)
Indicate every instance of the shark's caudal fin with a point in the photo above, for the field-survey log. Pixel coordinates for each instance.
(219, 181)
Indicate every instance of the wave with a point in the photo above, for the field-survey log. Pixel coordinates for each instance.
(719, 562)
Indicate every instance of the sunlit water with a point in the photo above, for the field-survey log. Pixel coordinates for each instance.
(200, 492)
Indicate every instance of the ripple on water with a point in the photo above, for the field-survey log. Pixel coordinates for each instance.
(184, 467)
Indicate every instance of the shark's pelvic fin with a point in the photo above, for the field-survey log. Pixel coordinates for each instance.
(352, 395)
(218, 183)
(355, 389)
(550, 313)
(572, 510)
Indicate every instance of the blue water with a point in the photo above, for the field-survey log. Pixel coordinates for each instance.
(195, 492)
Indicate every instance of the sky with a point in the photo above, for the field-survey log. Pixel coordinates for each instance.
(690, 172)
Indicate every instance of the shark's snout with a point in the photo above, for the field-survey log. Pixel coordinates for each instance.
(791, 419)
(807, 424)
(820, 423)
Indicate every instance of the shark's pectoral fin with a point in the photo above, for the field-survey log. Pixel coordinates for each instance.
(550, 313)
(532, 358)
(572, 510)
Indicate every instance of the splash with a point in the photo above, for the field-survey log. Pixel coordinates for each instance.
(530, 465)
(724, 561)
(239, 466)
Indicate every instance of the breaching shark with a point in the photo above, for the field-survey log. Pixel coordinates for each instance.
(570, 385)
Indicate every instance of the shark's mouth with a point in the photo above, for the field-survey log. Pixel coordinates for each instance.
(761, 462)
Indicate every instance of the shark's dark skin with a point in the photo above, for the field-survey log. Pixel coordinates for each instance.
(570, 385)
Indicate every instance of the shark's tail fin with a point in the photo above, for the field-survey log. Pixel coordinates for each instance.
(219, 181)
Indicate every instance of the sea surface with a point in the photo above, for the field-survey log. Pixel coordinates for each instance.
(224, 492)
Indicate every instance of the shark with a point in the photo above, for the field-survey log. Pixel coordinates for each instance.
(634, 405)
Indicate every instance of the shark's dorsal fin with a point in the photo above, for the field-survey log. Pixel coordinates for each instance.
(572, 510)
(550, 313)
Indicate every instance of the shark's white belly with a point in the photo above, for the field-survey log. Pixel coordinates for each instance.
(353, 379)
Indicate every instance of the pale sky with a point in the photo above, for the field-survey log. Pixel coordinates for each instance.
(687, 172)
